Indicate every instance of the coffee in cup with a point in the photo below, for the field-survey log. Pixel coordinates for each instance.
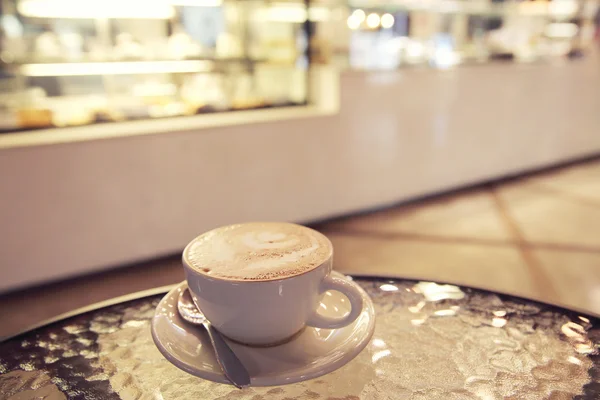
(258, 251)
(260, 283)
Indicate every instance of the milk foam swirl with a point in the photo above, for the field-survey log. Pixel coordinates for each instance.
(258, 251)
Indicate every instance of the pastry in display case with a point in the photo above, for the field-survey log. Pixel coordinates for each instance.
(76, 62)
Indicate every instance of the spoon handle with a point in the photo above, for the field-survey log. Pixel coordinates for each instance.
(232, 367)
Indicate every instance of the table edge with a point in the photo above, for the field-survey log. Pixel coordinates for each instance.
(557, 304)
(92, 307)
(164, 289)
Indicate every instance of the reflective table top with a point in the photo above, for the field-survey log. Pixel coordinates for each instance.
(431, 341)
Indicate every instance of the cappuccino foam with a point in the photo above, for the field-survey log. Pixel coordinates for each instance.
(258, 251)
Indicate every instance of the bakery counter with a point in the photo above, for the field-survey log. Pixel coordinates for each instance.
(152, 127)
(75, 204)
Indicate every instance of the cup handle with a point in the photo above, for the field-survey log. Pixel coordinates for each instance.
(349, 290)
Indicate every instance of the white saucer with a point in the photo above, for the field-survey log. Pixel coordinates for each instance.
(313, 353)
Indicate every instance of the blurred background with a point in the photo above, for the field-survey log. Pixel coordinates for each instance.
(447, 140)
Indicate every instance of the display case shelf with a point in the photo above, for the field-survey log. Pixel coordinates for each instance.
(84, 68)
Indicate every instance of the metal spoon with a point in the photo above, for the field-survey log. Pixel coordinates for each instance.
(232, 367)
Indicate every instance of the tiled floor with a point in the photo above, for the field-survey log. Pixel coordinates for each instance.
(536, 237)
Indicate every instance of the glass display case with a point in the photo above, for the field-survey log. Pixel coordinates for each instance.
(77, 62)
(387, 34)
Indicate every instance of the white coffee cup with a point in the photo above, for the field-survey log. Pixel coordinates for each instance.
(268, 312)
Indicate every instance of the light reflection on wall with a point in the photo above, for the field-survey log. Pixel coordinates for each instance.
(387, 21)
(373, 20)
(356, 19)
